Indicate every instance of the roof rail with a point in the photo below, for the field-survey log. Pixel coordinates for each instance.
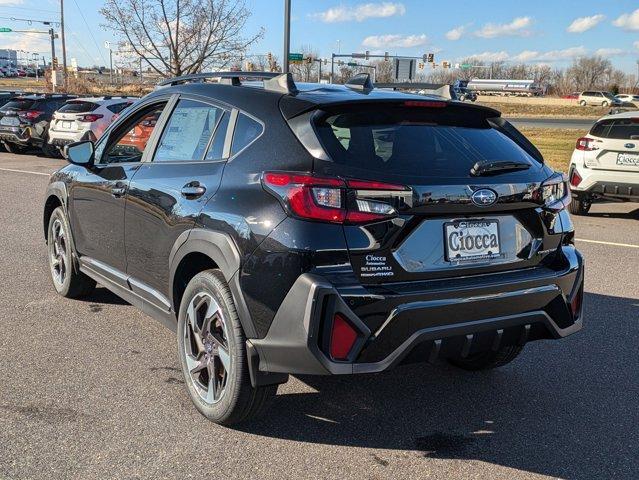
(361, 81)
(284, 85)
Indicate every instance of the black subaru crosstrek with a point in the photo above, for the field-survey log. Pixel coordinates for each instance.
(316, 229)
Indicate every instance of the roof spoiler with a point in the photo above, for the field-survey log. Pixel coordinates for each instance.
(273, 81)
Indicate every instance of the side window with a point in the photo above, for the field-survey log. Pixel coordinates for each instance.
(216, 151)
(246, 130)
(187, 132)
(127, 143)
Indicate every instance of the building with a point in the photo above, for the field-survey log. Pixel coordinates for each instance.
(8, 58)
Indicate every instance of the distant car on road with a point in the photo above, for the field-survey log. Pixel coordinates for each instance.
(605, 163)
(571, 96)
(598, 98)
(626, 99)
(85, 119)
(25, 121)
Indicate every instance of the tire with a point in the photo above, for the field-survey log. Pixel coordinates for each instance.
(487, 360)
(579, 207)
(212, 353)
(67, 280)
(49, 150)
(12, 148)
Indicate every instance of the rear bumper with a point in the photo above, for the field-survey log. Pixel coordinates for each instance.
(62, 138)
(457, 317)
(600, 183)
(608, 189)
(18, 135)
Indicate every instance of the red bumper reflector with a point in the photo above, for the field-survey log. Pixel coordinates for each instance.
(576, 301)
(343, 337)
(575, 178)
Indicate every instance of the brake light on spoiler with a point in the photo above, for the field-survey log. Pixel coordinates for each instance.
(332, 199)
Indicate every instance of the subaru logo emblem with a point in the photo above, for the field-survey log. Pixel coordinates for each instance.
(629, 145)
(484, 197)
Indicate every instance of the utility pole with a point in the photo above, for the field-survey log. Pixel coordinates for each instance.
(53, 74)
(64, 48)
(287, 35)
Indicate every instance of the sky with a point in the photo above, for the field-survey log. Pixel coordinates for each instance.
(543, 31)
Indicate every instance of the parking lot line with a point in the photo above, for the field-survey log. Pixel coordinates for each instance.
(614, 244)
(24, 171)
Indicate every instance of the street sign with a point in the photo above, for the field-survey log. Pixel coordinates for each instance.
(351, 64)
(358, 55)
(295, 57)
(107, 45)
(405, 69)
(5, 29)
(466, 65)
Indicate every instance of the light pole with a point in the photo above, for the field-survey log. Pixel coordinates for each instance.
(64, 48)
(287, 35)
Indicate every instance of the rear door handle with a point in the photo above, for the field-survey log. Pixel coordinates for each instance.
(118, 190)
(193, 190)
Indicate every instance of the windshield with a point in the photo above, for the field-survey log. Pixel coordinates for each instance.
(414, 142)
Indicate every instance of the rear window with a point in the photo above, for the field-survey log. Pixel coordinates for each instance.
(17, 105)
(415, 141)
(618, 129)
(78, 107)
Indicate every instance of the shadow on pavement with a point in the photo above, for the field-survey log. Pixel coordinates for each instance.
(631, 215)
(565, 409)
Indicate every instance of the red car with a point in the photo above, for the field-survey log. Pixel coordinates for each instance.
(571, 96)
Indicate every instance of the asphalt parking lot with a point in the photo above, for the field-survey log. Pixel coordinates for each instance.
(92, 389)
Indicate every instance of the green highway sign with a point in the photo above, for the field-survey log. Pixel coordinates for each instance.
(466, 65)
(5, 29)
(351, 64)
(295, 57)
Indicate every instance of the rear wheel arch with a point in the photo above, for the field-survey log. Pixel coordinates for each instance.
(204, 250)
(56, 196)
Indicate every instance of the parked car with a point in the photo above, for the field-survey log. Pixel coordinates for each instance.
(21, 73)
(310, 229)
(603, 99)
(25, 121)
(84, 119)
(628, 99)
(571, 96)
(605, 163)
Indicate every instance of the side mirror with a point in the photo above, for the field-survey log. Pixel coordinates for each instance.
(80, 153)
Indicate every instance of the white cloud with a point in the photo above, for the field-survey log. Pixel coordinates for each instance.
(526, 56)
(628, 21)
(29, 42)
(517, 27)
(398, 41)
(456, 33)
(564, 54)
(610, 52)
(582, 24)
(360, 12)
(11, 2)
(491, 56)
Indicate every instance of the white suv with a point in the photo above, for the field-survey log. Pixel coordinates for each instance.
(599, 98)
(605, 163)
(85, 119)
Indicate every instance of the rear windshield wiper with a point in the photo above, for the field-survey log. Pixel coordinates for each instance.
(492, 167)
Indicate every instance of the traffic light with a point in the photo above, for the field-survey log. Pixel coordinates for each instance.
(309, 59)
(446, 64)
(430, 58)
(420, 65)
(367, 54)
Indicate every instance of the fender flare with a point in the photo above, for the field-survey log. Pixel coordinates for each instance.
(220, 248)
(56, 189)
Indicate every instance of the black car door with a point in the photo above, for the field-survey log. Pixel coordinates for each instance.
(97, 195)
(169, 190)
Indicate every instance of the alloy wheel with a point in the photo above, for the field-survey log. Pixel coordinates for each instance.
(206, 347)
(58, 252)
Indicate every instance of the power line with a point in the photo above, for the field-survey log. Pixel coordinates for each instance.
(31, 20)
(31, 9)
(90, 32)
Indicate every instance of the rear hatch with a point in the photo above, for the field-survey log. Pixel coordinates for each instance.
(74, 116)
(616, 145)
(464, 186)
(9, 112)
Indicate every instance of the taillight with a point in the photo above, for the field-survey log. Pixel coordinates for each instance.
(327, 199)
(586, 144)
(343, 337)
(575, 178)
(91, 117)
(30, 114)
(554, 193)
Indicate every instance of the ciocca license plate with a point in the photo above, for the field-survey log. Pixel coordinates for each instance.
(628, 159)
(472, 240)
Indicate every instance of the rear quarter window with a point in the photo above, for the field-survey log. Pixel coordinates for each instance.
(246, 131)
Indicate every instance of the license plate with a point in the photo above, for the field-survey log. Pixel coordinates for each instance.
(628, 159)
(472, 240)
(66, 125)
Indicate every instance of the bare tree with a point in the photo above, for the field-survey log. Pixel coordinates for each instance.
(306, 70)
(385, 71)
(590, 72)
(177, 37)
